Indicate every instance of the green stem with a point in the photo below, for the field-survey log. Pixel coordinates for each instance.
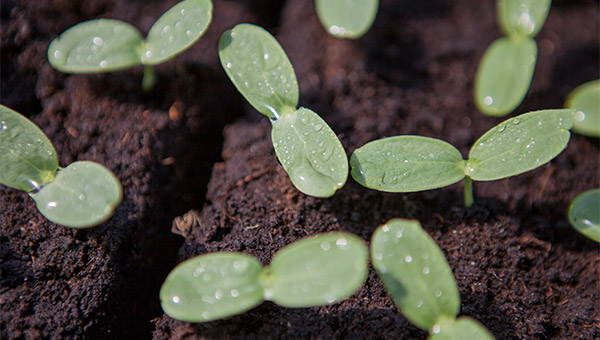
(468, 192)
(149, 79)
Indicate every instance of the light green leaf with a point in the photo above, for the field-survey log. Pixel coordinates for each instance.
(318, 270)
(520, 144)
(463, 328)
(177, 30)
(522, 17)
(99, 45)
(27, 158)
(415, 273)
(82, 195)
(211, 287)
(586, 100)
(259, 69)
(347, 18)
(310, 152)
(504, 75)
(407, 163)
(584, 214)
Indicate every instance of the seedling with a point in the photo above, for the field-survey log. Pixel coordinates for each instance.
(349, 19)
(315, 271)
(82, 195)
(419, 280)
(584, 214)
(585, 99)
(107, 45)
(506, 69)
(415, 163)
(305, 145)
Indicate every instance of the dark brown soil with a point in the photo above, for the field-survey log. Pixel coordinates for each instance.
(521, 270)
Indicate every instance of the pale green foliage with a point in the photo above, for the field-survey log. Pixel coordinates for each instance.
(504, 75)
(463, 328)
(82, 195)
(522, 17)
(349, 19)
(415, 272)
(584, 214)
(585, 99)
(305, 145)
(318, 270)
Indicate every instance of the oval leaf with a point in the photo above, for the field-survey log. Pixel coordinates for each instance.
(407, 163)
(415, 272)
(82, 195)
(211, 287)
(463, 328)
(318, 270)
(347, 18)
(584, 214)
(522, 17)
(520, 144)
(99, 45)
(585, 99)
(259, 69)
(177, 30)
(27, 158)
(310, 152)
(504, 75)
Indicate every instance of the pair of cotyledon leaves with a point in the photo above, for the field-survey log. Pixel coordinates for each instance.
(83, 194)
(322, 270)
(348, 19)
(506, 69)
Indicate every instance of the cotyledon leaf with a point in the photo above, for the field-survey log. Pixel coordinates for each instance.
(504, 75)
(347, 18)
(310, 152)
(415, 273)
(584, 214)
(212, 286)
(522, 17)
(82, 195)
(585, 99)
(27, 158)
(462, 328)
(406, 164)
(317, 270)
(99, 45)
(520, 144)
(259, 69)
(176, 30)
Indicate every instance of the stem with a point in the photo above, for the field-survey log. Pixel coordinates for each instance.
(149, 79)
(468, 192)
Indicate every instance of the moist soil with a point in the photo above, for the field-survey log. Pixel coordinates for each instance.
(194, 154)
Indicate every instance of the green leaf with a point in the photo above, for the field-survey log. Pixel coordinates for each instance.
(347, 18)
(520, 144)
(407, 163)
(177, 30)
(259, 69)
(584, 214)
(27, 158)
(211, 287)
(522, 17)
(100, 45)
(463, 328)
(415, 273)
(310, 152)
(318, 270)
(586, 100)
(82, 195)
(504, 75)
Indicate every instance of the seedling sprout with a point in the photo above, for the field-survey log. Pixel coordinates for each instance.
(82, 195)
(419, 280)
(584, 214)
(107, 45)
(349, 19)
(585, 99)
(318, 270)
(415, 163)
(305, 145)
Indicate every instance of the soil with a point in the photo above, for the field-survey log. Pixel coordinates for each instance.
(193, 151)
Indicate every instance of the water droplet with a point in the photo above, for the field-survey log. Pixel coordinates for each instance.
(176, 299)
(218, 294)
(408, 259)
(98, 41)
(148, 54)
(268, 293)
(189, 33)
(166, 29)
(420, 304)
(57, 54)
(235, 293)
(426, 270)
(385, 228)
(488, 100)
(337, 30)
(342, 243)
(579, 116)
(438, 293)
(516, 121)
(317, 127)
(52, 204)
(325, 246)
(501, 128)
(399, 234)
(81, 197)
(103, 63)
(436, 329)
